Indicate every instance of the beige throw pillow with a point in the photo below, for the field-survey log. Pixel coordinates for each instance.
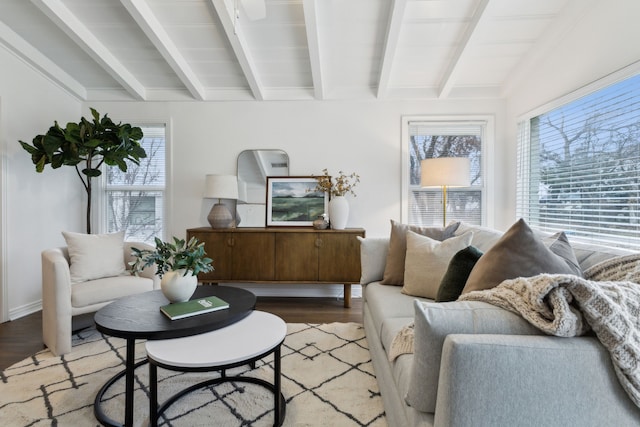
(94, 256)
(394, 267)
(427, 261)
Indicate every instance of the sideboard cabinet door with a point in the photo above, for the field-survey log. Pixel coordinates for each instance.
(217, 246)
(296, 257)
(339, 257)
(253, 256)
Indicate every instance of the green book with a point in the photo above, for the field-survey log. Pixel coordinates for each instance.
(179, 310)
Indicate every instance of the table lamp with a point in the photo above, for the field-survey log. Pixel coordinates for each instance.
(221, 187)
(445, 172)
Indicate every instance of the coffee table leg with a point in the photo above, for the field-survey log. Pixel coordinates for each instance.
(153, 395)
(276, 385)
(129, 376)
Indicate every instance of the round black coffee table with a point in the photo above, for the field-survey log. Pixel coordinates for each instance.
(139, 317)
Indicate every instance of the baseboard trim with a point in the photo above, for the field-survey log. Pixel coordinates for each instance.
(25, 310)
(311, 291)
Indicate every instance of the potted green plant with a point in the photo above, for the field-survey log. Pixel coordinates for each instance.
(86, 145)
(178, 263)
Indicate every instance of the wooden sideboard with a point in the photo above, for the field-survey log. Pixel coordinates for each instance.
(282, 255)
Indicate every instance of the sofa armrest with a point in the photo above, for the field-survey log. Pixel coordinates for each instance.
(56, 300)
(148, 272)
(490, 380)
(373, 258)
(56, 280)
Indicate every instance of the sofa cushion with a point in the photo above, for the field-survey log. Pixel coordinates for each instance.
(108, 289)
(591, 254)
(427, 261)
(394, 266)
(457, 274)
(387, 302)
(94, 256)
(518, 253)
(483, 237)
(373, 254)
(433, 322)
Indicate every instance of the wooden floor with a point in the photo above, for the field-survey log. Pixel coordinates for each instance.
(23, 337)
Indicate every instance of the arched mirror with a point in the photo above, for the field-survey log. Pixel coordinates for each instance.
(254, 166)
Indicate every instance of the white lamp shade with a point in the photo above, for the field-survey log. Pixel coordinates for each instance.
(221, 187)
(445, 171)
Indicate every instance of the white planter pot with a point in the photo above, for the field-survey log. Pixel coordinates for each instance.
(338, 212)
(177, 287)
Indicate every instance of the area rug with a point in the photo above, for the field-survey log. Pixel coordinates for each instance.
(327, 380)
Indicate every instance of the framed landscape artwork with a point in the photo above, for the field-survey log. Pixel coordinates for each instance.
(294, 201)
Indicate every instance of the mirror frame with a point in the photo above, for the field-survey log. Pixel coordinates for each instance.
(251, 207)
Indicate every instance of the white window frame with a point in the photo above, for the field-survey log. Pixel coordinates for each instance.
(99, 213)
(487, 122)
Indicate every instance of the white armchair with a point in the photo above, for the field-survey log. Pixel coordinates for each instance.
(62, 300)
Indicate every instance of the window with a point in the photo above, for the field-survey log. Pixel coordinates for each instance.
(134, 200)
(579, 166)
(424, 139)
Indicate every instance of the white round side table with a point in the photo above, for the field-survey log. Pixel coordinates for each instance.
(244, 342)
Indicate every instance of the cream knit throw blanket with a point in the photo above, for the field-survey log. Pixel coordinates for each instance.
(566, 306)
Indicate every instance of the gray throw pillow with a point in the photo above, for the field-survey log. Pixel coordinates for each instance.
(518, 253)
(457, 274)
(394, 267)
(559, 245)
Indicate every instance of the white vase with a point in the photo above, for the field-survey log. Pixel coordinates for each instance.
(177, 287)
(338, 212)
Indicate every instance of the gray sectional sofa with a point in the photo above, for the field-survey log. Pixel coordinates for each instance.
(474, 364)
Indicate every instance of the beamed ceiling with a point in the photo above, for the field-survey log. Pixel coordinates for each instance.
(211, 50)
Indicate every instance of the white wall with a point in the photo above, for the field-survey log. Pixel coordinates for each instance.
(36, 206)
(604, 42)
(361, 137)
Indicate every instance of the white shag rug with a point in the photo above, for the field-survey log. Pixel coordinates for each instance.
(327, 380)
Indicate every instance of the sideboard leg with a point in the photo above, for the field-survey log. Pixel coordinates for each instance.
(347, 295)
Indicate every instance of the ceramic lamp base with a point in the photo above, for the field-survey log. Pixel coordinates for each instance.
(220, 217)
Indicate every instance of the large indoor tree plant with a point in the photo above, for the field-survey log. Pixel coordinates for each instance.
(86, 146)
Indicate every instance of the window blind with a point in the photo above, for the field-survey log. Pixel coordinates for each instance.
(433, 139)
(579, 167)
(134, 199)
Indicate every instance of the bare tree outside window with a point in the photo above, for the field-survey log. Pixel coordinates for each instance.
(135, 198)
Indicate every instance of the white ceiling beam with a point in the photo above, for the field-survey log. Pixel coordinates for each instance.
(83, 37)
(313, 43)
(21, 48)
(147, 21)
(394, 26)
(236, 38)
(462, 50)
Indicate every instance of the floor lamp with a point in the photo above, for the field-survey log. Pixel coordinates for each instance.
(445, 172)
(221, 187)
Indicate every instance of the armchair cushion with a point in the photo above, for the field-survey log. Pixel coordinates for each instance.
(94, 256)
(108, 289)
